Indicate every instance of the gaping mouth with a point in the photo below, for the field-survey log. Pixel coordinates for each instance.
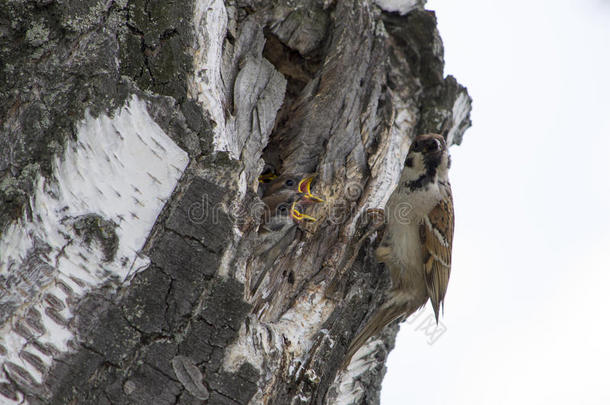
(298, 216)
(305, 188)
(267, 177)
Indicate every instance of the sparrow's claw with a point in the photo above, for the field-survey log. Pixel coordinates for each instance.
(305, 188)
(377, 214)
(377, 211)
(299, 216)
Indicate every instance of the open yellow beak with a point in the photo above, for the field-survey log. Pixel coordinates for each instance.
(267, 177)
(305, 188)
(299, 216)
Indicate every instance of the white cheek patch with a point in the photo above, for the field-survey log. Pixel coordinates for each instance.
(416, 169)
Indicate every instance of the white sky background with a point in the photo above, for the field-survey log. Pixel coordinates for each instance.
(527, 310)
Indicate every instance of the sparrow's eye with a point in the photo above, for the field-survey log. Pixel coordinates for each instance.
(282, 208)
(433, 145)
(289, 183)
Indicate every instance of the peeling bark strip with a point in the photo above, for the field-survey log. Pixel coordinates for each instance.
(132, 269)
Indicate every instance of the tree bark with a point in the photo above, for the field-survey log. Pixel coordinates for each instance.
(132, 268)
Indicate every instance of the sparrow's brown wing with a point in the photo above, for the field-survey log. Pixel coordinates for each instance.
(436, 233)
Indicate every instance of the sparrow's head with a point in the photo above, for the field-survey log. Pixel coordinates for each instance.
(428, 158)
(298, 183)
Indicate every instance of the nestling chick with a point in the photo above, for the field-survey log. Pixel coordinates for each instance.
(416, 246)
(300, 183)
(283, 211)
(279, 209)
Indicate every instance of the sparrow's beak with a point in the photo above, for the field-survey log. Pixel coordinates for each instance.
(305, 188)
(299, 216)
(267, 177)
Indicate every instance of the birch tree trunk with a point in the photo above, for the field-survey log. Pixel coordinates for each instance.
(133, 135)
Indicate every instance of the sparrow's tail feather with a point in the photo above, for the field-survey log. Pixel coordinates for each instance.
(387, 313)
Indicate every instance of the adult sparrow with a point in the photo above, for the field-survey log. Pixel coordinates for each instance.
(416, 246)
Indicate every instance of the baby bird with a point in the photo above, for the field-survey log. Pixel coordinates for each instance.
(284, 201)
(283, 208)
(300, 183)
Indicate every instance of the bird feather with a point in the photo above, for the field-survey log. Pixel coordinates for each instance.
(436, 234)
